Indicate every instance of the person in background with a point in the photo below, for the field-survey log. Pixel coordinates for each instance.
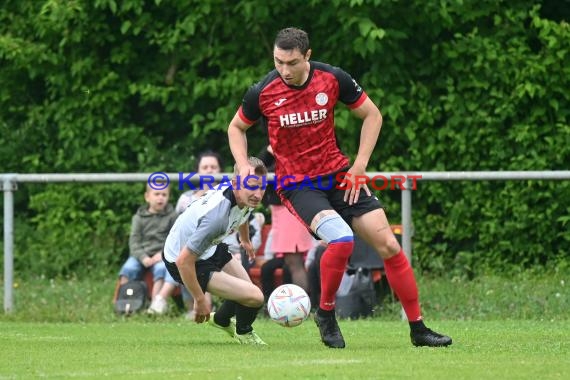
(290, 239)
(312, 262)
(149, 228)
(207, 163)
(272, 262)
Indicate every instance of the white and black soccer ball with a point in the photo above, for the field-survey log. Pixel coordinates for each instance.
(289, 305)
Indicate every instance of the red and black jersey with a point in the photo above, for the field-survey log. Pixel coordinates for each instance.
(300, 119)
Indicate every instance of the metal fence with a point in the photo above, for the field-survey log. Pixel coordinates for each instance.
(404, 182)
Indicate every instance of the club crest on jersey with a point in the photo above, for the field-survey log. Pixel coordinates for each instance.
(321, 99)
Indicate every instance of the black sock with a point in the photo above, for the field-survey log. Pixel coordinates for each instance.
(226, 311)
(245, 316)
(417, 326)
(326, 313)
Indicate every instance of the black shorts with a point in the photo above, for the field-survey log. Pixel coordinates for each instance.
(306, 201)
(204, 268)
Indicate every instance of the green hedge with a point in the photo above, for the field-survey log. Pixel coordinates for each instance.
(139, 86)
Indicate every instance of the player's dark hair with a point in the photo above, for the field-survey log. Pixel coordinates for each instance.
(209, 153)
(292, 38)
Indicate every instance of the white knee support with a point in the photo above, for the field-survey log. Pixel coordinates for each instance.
(333, 228)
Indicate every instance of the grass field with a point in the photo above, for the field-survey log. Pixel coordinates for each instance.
(503, 328)
(375, 350)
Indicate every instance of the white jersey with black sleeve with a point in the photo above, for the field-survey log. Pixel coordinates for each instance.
(205, 223)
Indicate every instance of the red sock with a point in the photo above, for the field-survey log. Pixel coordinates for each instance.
(333, 265)
(402, 281)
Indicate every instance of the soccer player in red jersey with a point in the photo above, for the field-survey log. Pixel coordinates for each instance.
(296, 103)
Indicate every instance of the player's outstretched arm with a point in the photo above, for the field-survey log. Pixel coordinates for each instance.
(245, 241)
(186, 263)
(238, 145)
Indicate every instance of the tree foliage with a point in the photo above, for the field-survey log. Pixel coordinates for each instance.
(139, 86)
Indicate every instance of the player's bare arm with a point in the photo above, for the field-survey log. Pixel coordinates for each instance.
(238, 145)
(245, 242)
(186, 263)
(371, 125)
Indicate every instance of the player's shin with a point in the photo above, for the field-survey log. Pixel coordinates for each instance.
(402, 281)
(245, 316)
(333, 265)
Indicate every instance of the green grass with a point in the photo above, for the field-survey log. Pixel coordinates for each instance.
(375, 349)
(503, 328)
(529, 295)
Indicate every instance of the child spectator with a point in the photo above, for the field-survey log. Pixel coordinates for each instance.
(149, 228)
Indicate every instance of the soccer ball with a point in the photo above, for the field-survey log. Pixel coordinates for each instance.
(288, 305)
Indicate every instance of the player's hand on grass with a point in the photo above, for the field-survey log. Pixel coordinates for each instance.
(201, 310)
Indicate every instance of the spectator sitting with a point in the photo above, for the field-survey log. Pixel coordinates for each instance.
(149, 228)
(271, 263)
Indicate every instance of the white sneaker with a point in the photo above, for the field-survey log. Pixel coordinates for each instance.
(158, 305)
